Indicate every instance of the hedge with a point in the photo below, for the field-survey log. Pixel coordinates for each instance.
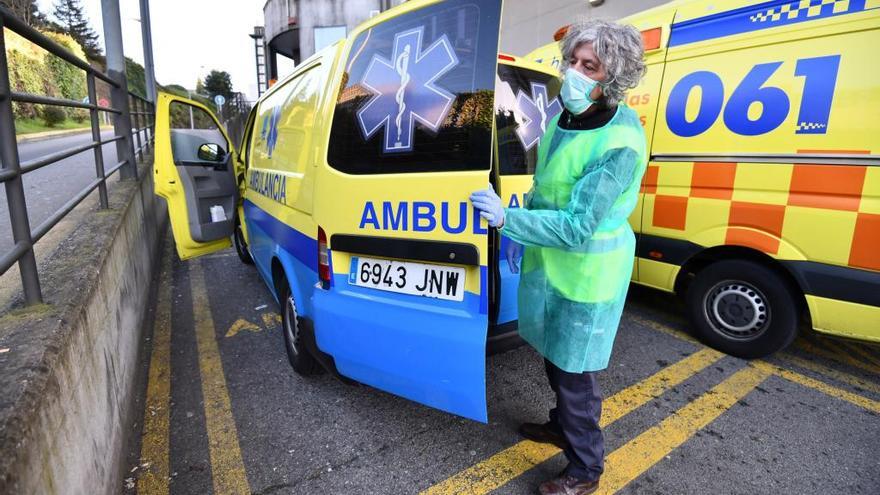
(33, 70)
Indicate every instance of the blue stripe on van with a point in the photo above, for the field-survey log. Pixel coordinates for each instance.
(758, 17)
(301, 246)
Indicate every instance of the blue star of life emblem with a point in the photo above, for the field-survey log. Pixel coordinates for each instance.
(405, 91)
(269, 130)
(536, 111)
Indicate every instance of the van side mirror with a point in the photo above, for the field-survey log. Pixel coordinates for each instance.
(211, 152)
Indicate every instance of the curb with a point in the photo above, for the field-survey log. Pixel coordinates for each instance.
(42, 136)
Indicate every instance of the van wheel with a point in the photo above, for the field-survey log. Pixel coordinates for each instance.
(742, 308)
(241, 246)
(300, 358)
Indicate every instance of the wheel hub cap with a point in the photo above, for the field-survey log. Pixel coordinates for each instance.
(737, 310)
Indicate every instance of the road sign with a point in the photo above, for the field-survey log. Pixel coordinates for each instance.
(219, 100)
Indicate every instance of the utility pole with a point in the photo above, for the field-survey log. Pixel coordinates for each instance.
(147, 36)
(118, 93)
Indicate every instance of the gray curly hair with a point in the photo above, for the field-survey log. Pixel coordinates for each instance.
(619, 48)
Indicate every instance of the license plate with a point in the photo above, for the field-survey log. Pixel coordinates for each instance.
(404, 277)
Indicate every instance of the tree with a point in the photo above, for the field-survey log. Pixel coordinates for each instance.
(27, 10)
(71, 17)
(134, 74)
(218, 83)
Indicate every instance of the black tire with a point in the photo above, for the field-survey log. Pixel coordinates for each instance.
(241, 246)
(743, 308)
(300, 359)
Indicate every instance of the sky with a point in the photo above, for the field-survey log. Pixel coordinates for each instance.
(190, 38)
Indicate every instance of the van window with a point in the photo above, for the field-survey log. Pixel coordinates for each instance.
(412, 98)
(246, 138)
(192, 127)
(286, 121)
(525, 101)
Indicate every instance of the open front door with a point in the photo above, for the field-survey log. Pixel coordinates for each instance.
(194, 171)
(406, 309)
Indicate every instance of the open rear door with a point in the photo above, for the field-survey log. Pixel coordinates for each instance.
(194, 171)
(406, 310)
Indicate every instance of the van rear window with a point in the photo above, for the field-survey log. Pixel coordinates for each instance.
(417, 93)
(525, 101)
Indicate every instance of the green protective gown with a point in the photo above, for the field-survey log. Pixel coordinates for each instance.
(579, 246)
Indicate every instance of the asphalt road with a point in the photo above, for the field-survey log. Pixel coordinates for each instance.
(48, 188)
(225, 413)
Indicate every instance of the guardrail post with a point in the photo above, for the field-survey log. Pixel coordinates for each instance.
(137, 127)
(18, 217)
(96, 136)
(147, 37)
(119, 93)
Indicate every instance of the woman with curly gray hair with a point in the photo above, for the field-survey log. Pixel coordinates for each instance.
(579, 247)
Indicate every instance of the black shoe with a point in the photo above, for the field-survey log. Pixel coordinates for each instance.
(566, 485)
(544, 433)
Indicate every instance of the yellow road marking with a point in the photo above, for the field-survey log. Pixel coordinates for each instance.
(861, 352)
(241, 325)
(639, 454)
(831, 373)
(227, 466)
(632, 459)
(660, 327)
(154, 442)
(837, 355)
(497, 470)
(861, 401)
(271, 320)
(793, 376)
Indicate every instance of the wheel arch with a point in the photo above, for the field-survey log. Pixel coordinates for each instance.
(282, 272)
(710, 255)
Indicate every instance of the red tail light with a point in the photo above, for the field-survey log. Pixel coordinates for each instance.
(504, 56)
(324, 272)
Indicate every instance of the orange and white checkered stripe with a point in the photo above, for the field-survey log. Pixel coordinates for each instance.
(823, 213)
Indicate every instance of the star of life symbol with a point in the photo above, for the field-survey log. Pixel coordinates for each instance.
(269, 130)
(536, 111)
(405, 91)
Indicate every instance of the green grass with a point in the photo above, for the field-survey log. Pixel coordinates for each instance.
(30, 126)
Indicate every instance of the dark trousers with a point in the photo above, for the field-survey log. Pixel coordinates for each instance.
(576, 416)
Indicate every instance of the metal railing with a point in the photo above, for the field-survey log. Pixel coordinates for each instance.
(142, 114)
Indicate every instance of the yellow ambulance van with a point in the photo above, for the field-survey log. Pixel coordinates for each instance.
(349, 194)
(761, 201)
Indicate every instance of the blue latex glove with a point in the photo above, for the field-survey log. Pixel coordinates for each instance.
(490, 206)
(514, 254)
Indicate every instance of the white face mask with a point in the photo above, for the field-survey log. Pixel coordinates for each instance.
(575, 92)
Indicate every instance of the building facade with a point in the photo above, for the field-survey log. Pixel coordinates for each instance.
(295, 29)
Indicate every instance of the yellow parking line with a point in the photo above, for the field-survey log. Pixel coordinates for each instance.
(831, 373)
(861, 401)
(513, 461)
(639, 454)
(793, 376)
(154, 441)
(861, 352)
(835, 354)
(660, 327)
(227, 467)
